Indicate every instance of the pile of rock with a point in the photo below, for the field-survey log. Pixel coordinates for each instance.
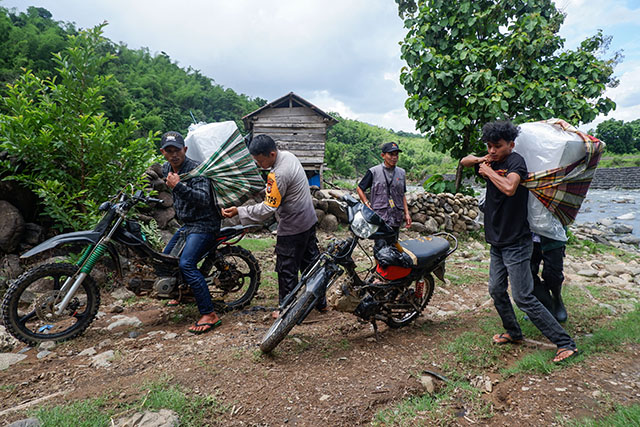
(609, 232)
(431, 213)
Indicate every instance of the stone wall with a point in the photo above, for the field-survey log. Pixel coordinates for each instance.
(617, 177)
(431, 213)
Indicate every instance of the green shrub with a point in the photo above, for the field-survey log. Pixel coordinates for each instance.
(66, 150)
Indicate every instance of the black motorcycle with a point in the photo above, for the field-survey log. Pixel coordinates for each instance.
(58, 301)
(392, 292)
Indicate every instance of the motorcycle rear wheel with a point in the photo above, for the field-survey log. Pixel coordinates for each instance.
(233, 274)
(397, 318)
(287, 320)
(28, 305)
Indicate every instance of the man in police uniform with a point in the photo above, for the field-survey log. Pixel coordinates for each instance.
(388, 186)
(287, 194)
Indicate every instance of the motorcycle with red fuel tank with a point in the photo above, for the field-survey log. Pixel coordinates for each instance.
(393, 292)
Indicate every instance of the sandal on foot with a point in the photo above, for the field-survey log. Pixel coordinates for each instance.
(505, 338)
(561, 354)
(173, 303)
(209, 327)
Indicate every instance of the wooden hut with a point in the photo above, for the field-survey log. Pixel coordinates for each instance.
(297, 126)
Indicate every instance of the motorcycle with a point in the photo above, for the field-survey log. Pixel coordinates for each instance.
(58, 301)
(393, 294)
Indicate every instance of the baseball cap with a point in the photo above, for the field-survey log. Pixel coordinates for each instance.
(390, 147)
(173, 139)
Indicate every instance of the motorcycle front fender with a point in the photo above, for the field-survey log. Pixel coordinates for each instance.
(88, 237)
(85, 237)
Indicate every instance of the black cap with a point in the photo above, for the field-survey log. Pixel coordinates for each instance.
(390, 147)
(173, 139)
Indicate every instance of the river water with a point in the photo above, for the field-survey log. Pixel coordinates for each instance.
(600, 204)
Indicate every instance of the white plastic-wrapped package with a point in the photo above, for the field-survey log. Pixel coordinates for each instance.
(545, 146)
(204, 139)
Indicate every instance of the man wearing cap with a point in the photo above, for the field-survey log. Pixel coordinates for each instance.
(388, 187)
(196, 208)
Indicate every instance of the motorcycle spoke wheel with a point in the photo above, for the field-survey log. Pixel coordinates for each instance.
(233, 275)
(29, 305)
(400, 310)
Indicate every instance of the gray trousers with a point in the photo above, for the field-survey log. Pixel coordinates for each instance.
(512, 264)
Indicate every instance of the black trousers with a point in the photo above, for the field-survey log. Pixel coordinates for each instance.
(293, 255)
(552, 273)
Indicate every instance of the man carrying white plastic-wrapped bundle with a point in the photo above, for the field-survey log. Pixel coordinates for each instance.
(507, 231)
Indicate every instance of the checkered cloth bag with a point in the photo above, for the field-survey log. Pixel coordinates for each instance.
(562, 190)
(229, 165)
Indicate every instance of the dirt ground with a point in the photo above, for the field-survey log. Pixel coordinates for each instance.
(331, 370)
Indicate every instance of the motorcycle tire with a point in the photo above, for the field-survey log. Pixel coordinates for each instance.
(287, 320)
(27, 310)
(237, 271)
(403, 318)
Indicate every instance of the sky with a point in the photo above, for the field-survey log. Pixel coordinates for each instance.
(341, 55)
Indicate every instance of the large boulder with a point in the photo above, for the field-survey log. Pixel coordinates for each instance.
(11, 227)
(22, 198)
(329, 223)
(336, 209)
(163, 216)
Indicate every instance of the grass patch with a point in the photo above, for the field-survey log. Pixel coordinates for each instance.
(582, 248)
(192, 410)
(184, 312)
(623, 416)
(84, 413)
(473, 351)
(257, 245)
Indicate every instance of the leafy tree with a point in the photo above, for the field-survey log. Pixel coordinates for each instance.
(67, 151)
(617, 134)
(635, 130)
(474, 61)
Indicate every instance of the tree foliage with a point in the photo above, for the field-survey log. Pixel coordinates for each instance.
(149, 87)
(353, 147)
(474, 61)
(66, 150)
(619, 136)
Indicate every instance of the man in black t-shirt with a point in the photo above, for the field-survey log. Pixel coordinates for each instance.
(507, 231)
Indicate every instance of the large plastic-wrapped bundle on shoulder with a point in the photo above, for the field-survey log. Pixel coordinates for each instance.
(225, 159)
(547, 146)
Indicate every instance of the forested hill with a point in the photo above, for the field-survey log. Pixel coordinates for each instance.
(149, 87)
(161, 95)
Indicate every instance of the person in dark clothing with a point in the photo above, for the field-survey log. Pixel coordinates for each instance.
(195, 206)
(548, 289)
(507, 231)
(388, 187)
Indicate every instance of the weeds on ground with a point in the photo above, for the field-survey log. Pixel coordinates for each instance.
(184, 312)
(623, 416)
(192, 410)
(257, 245)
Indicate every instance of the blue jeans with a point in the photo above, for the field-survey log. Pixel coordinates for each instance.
(196, 244)
(513, 262)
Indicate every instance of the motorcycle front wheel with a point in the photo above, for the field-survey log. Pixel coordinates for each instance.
(233, 276)
(28, 306)
(401, 311)
(287, 320)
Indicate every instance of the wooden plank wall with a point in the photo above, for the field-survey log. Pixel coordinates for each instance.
(298, 130)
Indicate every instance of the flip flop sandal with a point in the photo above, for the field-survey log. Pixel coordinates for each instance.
(563, 351)
(173, 303)
(505, 338)
(211, 327)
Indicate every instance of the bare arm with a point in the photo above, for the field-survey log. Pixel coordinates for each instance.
(471, 160)
(506, 184)
(407, 215)
(363, 197)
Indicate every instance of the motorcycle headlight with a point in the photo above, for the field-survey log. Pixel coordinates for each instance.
(361, 227)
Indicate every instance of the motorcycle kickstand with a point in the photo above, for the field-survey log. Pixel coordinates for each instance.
(375, 328)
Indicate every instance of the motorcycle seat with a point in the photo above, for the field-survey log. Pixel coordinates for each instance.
(425, 249)
(230, 231)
